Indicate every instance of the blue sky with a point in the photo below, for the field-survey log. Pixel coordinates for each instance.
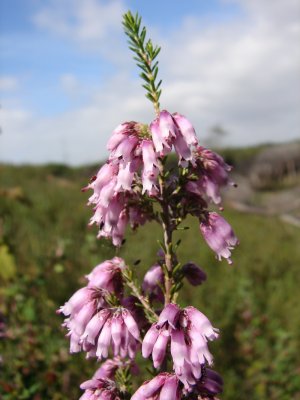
(66, 77)
(40, 58)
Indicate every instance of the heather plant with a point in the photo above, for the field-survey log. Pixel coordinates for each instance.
(114, 317)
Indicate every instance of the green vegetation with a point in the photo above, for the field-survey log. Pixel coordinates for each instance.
(46, 248)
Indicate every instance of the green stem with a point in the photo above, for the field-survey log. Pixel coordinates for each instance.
(149, 312)
(167, 233)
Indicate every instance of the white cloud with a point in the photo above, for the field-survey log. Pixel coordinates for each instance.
(8, 83)
(243, 75)
(90, 23)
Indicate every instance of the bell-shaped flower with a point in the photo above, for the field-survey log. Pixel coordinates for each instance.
(212, 172)
(104, 176)
(125, 150)
(188, 331)
(120, 133)
(219, 235)
(133, 304)
(118, 330)
(100, 389)
(108, 275)
(152, 282)
(162, 144)
(150, 182)
(164, 386)
(182, 149)
(158, 336)
(169, 316)
(186, 128)
(125, 177)
(189, 348)
(149, 156)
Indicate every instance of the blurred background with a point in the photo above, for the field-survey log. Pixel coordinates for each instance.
(67, 80)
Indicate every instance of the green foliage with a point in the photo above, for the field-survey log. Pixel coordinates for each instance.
(145, 55)
(7, 262)
(44, 234)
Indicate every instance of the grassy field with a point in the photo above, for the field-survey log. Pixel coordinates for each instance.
(46, 248)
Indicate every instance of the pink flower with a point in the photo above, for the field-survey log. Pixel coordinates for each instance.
(169, 316)
(212, 172)
(102, 386)
(167, 125)
(186, 128)
(149, 156)
(188, 331)
(100, 389)
(150, 182)
(189, 348)
(125, 177)
(111, 220)
(133, 304)
(157, 338)
(205, 187)
(92, 326)
(132, 164)
(108, 275)
(119, 134)
(161, 143)
(104, 176)
(164, 386)
(153, 279)
(155, 342)
(123, 142)
(76, 302)
(182, 149)
(218, 235)
(150, 168)
(109, 368)
(174, 130)
(118, 230)
(118, 330)
(125, 150)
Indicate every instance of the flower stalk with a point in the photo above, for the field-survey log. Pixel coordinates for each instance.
(114, 317)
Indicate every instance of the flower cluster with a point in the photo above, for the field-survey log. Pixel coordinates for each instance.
(123, 183)
(188, 331)
(93, 324)
(102, 385)
(102, 320)
(210, 175)
(167, 386)
(121, 189)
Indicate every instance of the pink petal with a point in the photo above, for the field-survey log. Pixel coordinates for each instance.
(169, 390)
(149, 340)
(131, 324)
(169, 314)
(160, 348)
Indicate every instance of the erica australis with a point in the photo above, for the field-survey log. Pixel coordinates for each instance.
(114, 317)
